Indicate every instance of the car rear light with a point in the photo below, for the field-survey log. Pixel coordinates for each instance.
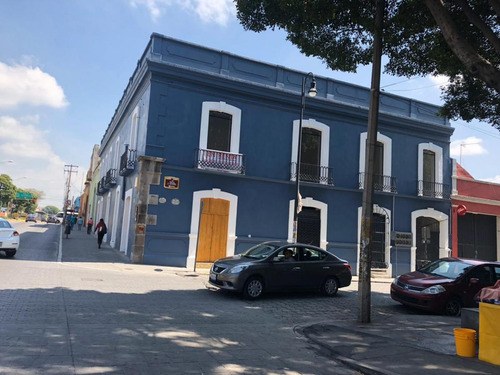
(348, 266)
(15, 234)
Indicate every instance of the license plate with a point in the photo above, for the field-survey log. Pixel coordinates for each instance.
(213, 277)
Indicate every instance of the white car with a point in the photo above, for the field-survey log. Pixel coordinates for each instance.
(9, 238)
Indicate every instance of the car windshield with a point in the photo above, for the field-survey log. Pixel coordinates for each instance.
(445, 268)
(260, 251)
(5, 224)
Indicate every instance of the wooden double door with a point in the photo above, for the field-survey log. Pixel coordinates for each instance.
(212, 241)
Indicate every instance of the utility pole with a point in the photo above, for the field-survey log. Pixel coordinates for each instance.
(69, 169)
(365, 255)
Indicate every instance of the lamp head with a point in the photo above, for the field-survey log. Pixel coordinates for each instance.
(312, 90)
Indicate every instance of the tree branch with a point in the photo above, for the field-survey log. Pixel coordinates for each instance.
(480, 24)
(473, 62)
(495, 4)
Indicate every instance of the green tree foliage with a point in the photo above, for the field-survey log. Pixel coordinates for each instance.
(51, 210)
(456, 38)
(7, 190)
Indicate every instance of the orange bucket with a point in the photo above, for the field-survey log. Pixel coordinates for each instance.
(465, 342)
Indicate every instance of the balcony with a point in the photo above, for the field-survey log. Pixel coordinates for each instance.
(127, 162)
(433, 189)
(110, 179)
(220, 161)
(101, 187)
(312, 173)
(88, 177)
(380, 183)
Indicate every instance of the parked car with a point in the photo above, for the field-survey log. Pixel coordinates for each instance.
(9, 238)
(31, 217)
(53, 219)
(263, 268)
(445, 285)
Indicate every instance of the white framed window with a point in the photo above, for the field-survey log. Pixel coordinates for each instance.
(323, 147)
(430, 168)
(134, 129)
(116, 156)
(220, 124)
(384, 150)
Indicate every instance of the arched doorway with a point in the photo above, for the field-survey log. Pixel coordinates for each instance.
(309, 226)
(214, 219)
(378, 241)
(427, 241)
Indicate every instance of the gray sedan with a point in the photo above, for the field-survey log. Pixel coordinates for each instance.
(281, 266)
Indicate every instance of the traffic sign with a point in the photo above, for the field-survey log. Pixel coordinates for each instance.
(23, 195)
(461, 210)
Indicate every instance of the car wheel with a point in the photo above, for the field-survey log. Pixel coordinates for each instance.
(453, 307)
(254, 287)
(330, 286)
(10, 253)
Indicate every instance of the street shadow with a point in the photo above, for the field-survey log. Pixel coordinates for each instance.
(60, 330)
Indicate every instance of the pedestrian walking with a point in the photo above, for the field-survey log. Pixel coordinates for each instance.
(90, 223)
(101, 230)
(72, 221)
(80, 223)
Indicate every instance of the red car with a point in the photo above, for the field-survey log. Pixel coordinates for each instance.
(445, 285)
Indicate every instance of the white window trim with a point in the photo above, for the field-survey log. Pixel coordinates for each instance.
(387, 213)
(325, 141)
(134, 129)
(310, 202)
(195, 221)
(438, 151)
(115, 217)
(235, 125)
(116, 155)
(127, 214)
(387, 142)
(442, 218)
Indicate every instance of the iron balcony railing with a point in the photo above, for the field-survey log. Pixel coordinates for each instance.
(312, 173)
(110, 179)
(380, 183)
(220, 161)
(127, 162)
(101, 186)
(433, 189)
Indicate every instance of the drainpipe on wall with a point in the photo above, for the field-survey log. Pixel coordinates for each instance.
(149, 174)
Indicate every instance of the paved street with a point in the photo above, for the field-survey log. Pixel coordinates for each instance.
(95, 313)
(118, 318)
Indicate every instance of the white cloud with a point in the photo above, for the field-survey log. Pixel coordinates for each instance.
(467, 146)
(439, 80)
(209, 11)
(33, 158)
(27, 85)
(495, 179)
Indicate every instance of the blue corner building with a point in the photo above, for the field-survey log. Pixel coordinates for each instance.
(200, 162)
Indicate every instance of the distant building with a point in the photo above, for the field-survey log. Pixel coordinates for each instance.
(199, 162)
(475, 217)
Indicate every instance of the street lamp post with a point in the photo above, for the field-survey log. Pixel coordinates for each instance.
(312, 93)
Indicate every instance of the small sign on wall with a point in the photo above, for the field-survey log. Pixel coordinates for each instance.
(171, 182)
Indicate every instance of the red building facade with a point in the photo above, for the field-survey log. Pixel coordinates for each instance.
(475, 217)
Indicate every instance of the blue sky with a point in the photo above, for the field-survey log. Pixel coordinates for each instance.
(65, 63)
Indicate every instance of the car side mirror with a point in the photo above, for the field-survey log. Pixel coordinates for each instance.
(474, 280)
(276, 259)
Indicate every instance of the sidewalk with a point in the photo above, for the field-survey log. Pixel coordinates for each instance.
(407, 344)
(82, 247)
(413, 347)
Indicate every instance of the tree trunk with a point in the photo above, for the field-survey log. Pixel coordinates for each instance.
(475, 63)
